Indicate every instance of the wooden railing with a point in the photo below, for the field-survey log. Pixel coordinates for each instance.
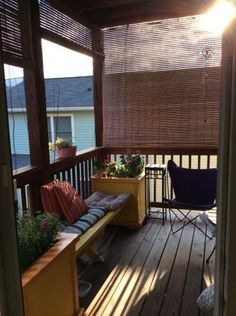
(78, 170)
(188, 158)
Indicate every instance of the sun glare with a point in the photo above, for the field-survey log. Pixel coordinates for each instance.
(218, 17)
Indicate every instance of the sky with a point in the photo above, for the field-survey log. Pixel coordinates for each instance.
(58, 62)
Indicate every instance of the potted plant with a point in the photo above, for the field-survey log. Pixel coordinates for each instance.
(125, 176)
(64, 147)
(100, 166)
(35, 236)
(48, 265)
(130, 166)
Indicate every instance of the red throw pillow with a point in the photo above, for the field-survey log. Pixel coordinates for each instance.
(49, 199)
(72, 205)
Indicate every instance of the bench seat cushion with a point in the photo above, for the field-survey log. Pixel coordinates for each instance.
(84, 222)
(108, 201)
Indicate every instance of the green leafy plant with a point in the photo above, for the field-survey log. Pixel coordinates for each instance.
(130, 166)
(100, 163)
(35, 236)
(61, 143)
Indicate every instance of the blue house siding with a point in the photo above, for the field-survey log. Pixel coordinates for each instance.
(64, 96)
(84, 135)
(18, 133)
(84, 129)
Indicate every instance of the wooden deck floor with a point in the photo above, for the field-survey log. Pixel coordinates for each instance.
(148, 271)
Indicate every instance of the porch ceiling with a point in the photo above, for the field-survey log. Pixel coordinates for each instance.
(116, 12)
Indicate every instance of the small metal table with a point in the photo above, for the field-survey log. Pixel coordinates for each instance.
(154, 173)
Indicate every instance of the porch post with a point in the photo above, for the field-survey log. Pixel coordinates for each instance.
(10, 280)
(225, 272)
(97, 87)
(35, 95)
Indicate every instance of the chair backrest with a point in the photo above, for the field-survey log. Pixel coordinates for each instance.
(193, 186)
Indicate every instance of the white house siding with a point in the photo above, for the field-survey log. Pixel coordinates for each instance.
(84, 129)
(18, 133)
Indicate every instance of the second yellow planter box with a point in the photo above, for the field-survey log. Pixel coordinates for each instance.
(133, 214)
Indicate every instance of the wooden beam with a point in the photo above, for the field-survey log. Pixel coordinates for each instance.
(145, 11)
(159, 150)
(10, 59)
(94, 4)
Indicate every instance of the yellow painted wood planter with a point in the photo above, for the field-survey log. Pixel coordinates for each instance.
(50, 285)
(133, 214)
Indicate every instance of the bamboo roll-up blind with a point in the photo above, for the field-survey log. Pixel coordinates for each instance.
(61, 26)
(10, 29)
(158, 90)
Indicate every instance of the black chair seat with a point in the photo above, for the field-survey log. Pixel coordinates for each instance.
(204, 207)
(194, 189)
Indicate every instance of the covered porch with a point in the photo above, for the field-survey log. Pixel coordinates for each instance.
(163, 103)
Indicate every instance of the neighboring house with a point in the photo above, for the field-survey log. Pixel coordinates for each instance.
(70, 115)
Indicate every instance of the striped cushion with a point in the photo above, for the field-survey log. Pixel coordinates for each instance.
(49, 200)
(97, 211)
(72, 205)
(84, 222)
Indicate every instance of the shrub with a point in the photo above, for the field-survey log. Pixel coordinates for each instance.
(35, 236)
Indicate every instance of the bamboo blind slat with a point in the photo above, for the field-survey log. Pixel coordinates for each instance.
(158, 90)
(10, 28)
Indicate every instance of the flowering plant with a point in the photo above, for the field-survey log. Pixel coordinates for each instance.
(60, 143)
(100, 163)
(130, 166)
(35, 236)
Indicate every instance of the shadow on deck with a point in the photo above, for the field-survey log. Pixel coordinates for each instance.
(148, 271)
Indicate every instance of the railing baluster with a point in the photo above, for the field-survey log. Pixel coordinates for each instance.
(199, 161)
(78, 180)
(73, 172)
(208, 161)
(23, 200)
(189, 161)
(82, 179)
(86, 178)
(180, 160)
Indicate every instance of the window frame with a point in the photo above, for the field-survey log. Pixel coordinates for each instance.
(51, 116)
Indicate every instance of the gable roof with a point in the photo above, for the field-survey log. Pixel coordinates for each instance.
(72, 92)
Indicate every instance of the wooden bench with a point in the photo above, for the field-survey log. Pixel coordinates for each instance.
(102, 208)
(84, 245)
(113, 204)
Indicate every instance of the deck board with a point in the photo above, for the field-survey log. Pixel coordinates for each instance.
(173, 294)
(193, 285)
(149, 271)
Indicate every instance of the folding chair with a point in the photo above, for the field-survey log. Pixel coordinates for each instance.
(194, 190)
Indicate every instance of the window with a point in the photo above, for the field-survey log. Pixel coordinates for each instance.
(59, 126)
(17, 116)
(69, 94)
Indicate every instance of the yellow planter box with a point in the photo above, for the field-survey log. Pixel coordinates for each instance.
(133, 214)
(50, 285)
